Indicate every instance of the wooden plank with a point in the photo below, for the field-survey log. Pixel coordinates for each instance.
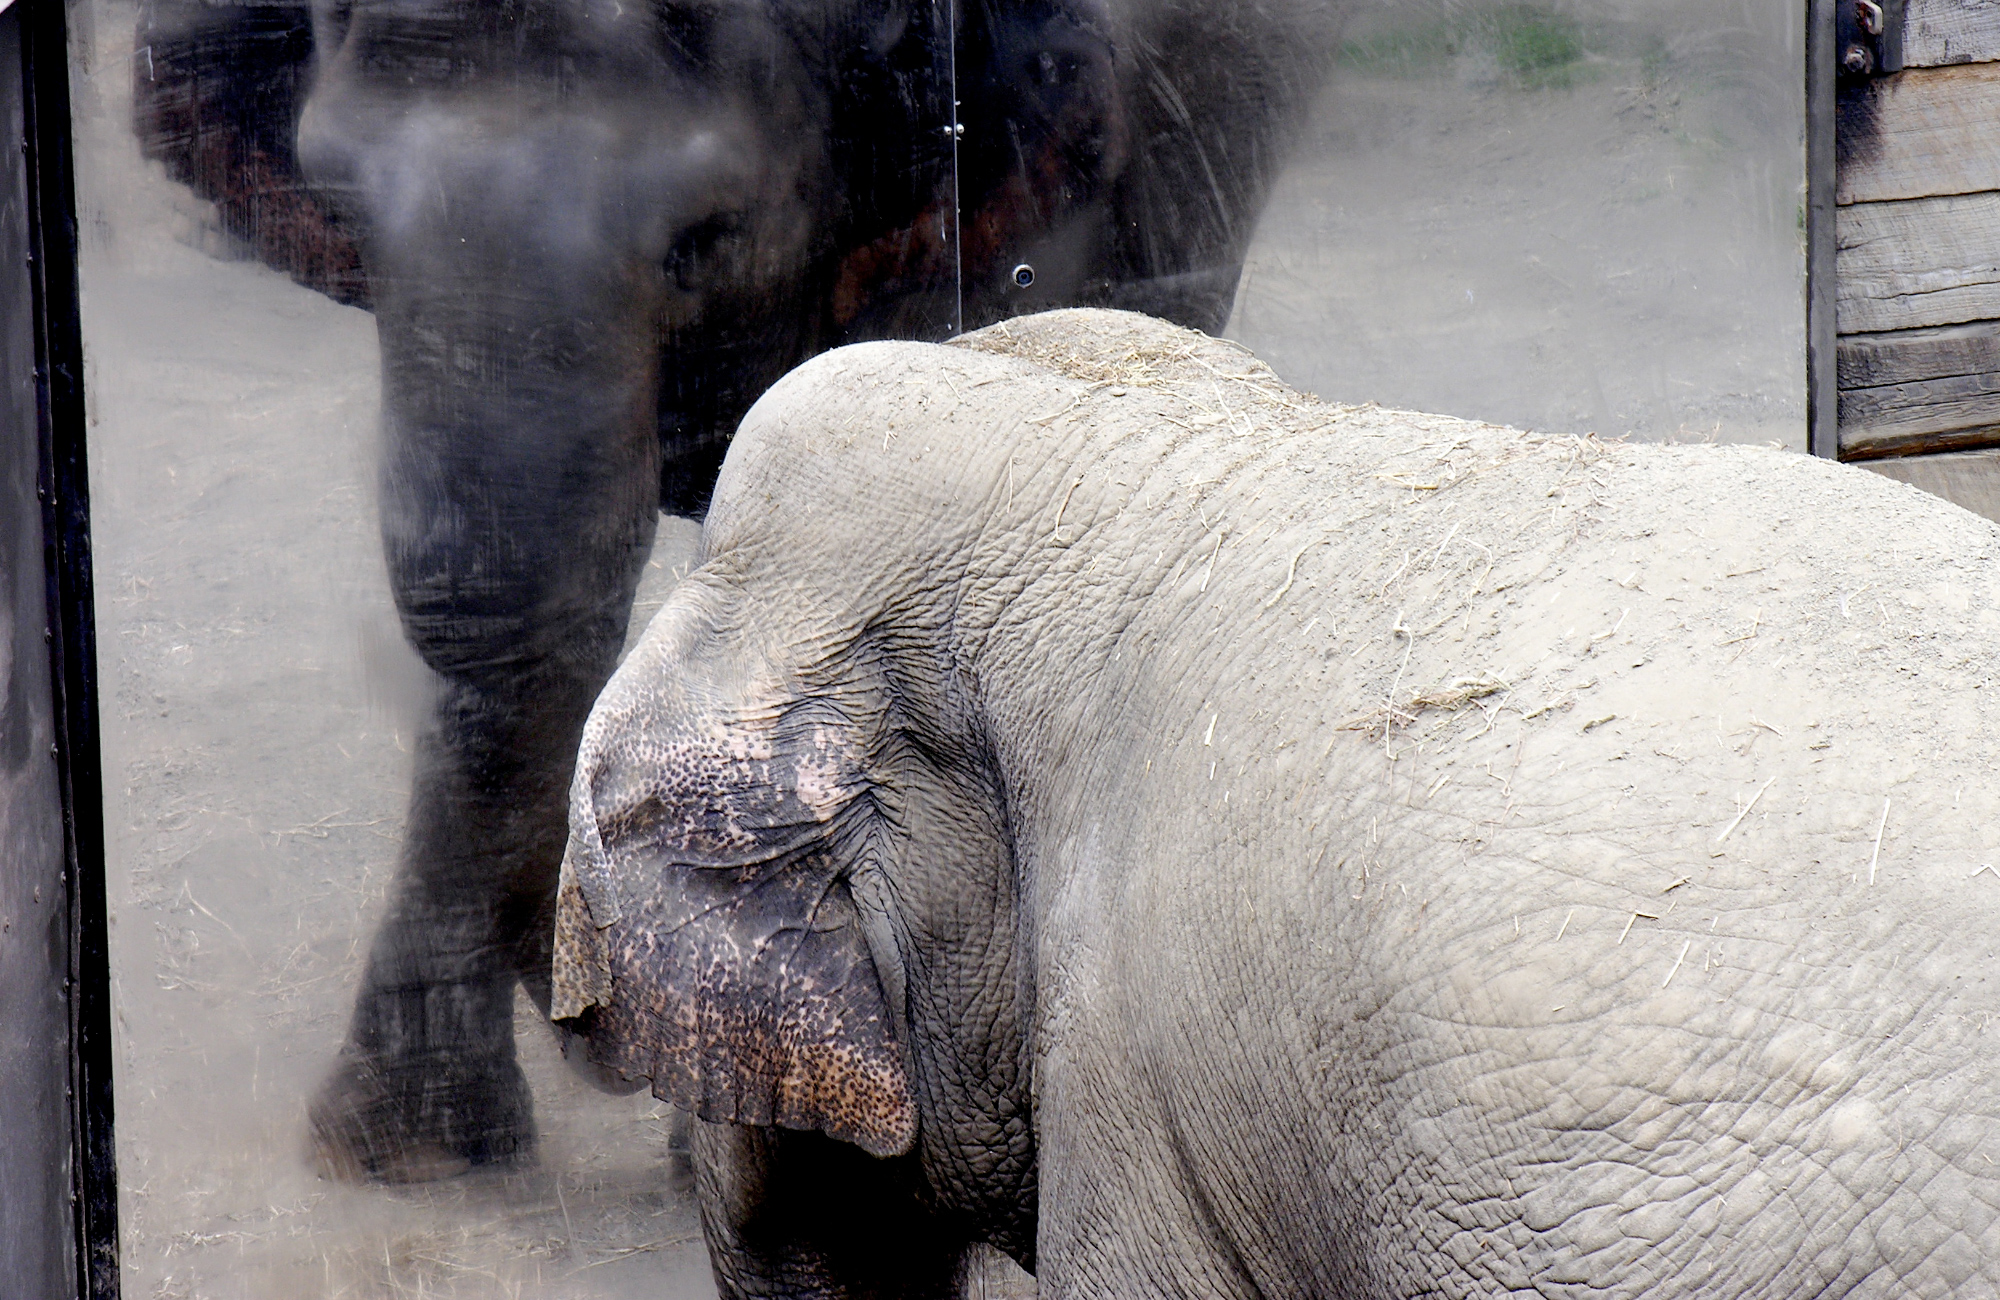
(1892, 444)
(1916, 356)
(1920, 390)
(1927, 132)
(1911, 263)
(1918, 256)
(1937, 32)
(1970, 479)
(1963, 412)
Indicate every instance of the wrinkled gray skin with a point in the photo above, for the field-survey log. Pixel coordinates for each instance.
(1212, 843)
(592, 233)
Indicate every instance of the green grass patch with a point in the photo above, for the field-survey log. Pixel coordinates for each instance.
(1537, 47)
(1533, 47)
(1408, 52)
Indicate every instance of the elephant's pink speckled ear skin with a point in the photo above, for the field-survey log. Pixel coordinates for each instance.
(705, 937)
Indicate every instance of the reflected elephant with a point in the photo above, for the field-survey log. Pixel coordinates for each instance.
(592, 233)
(1208, 842)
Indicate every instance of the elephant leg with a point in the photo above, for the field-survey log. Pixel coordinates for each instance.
(798, 1214)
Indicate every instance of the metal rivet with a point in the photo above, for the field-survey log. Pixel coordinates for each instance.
(1858, 60)
(1024, 275)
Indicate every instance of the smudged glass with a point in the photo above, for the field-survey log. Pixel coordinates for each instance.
(405, 317)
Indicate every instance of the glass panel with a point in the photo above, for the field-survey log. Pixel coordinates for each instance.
(404, 317)
(502, 277)
(1572, 215)
(1118, 155)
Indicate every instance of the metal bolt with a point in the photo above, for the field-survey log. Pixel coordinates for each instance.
(1858, 60)
(1024, 275)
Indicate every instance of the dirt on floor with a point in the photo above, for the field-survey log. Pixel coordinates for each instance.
(1578, 219)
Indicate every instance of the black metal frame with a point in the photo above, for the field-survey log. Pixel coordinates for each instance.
(1822, 331)
(64, 488)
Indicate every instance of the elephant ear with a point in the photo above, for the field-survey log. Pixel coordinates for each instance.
(705, 938)
(216, 95)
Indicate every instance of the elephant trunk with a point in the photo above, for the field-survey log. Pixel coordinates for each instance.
(518, 474)
(519, 293)
(518, 480)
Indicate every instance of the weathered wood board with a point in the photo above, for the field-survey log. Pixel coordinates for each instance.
(1937, 32)
(1919, 356)
(1970, 479)
(1917, 247)
(1920, 390)
(1911, 263)
(1927, 132)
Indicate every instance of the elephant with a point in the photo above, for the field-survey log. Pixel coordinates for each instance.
(592, 233)
(1205, 841)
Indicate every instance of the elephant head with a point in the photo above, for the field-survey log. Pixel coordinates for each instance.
(758, 998)
(1032, 805)
(788, 897)
(543, 197)
(571, 213)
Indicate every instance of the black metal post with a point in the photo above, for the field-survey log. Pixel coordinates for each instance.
(62, 489)
(1822, 235)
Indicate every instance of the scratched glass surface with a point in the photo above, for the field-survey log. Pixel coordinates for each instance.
(262, 708)
(341, 271)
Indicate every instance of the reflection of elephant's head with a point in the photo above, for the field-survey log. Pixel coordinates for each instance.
(577, 218)
(551, 202)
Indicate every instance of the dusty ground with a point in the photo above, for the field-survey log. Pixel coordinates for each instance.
(1572, 256)
(1575, 224)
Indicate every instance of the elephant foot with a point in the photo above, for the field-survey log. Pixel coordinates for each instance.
(372, 1123)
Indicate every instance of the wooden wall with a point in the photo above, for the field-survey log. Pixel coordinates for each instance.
(1918, 233)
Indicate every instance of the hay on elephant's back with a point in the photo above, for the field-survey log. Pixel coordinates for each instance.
(1448, 565)
(1243, 425)
(1075, 343)
(1464, 521)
